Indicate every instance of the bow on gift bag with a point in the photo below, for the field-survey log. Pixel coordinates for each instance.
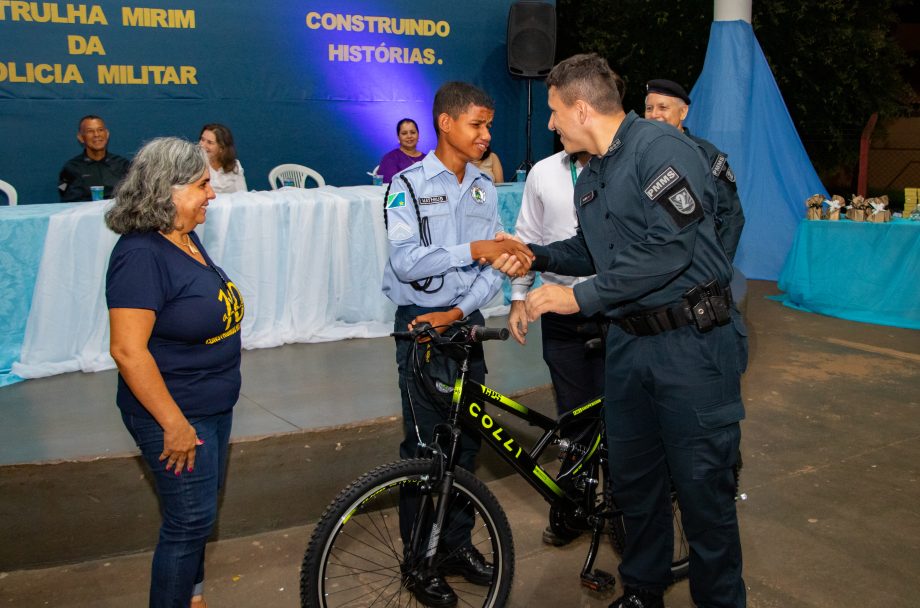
(856, 210)
(879, 212)
(834, 205)
(813, 206)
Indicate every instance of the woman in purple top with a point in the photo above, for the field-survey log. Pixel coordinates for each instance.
(405, 155)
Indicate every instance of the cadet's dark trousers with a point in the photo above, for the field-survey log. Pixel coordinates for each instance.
(577, 375)
(429, 414)
(673, 405)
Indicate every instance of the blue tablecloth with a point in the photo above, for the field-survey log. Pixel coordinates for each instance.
(308, 263)
(22, 238)
(858, 271)
(509, 203)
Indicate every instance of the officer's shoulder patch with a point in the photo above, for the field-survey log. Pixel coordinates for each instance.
(662, 183)
(719, 165)
(681, 203)
(396, 200)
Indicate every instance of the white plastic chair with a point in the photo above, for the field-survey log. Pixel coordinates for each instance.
(294, 173)
(9, 191)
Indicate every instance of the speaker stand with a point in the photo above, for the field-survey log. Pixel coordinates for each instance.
(527, 165)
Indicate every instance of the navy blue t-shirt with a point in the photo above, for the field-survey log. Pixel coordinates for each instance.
(196, 336)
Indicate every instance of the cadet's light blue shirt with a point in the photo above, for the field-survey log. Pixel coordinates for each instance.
(457, 213)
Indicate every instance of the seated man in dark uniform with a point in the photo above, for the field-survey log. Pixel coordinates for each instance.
(95, 166)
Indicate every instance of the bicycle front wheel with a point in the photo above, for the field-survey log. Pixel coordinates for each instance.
(356, 556)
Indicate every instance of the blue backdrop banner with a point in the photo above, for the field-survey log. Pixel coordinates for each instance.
(316, 82)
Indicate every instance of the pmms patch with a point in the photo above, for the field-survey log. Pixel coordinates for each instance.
(661, 183)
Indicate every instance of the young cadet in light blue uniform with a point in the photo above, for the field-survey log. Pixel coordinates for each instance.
(442, 216)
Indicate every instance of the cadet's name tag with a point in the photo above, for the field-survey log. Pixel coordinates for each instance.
(588, 197)
(661, 183)
(431, 200)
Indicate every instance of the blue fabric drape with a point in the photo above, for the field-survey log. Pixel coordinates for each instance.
(736, 105)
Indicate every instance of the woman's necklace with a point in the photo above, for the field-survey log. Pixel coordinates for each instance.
(186, 243)
(190, 245)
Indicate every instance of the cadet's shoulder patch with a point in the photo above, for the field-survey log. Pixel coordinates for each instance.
(396, 200)
(682, 203)
(662, 183)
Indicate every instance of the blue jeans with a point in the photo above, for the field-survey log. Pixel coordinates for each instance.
(188, 504)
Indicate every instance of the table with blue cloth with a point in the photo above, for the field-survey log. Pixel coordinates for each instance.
(308, 263)
(859, 271)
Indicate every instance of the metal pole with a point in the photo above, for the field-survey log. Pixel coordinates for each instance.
(732, 10)
(527, 165)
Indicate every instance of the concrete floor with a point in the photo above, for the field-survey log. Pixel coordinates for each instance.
(831, 447)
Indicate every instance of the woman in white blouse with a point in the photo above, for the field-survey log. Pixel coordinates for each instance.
(226, 171)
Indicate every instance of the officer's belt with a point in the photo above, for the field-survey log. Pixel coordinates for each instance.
(659, 320)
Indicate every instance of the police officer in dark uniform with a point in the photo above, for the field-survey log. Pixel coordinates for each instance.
(675, 349)
(667, 101)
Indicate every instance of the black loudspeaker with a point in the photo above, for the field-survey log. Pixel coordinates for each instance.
(531, 39)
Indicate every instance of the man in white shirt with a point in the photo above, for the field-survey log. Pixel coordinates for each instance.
(548, 215)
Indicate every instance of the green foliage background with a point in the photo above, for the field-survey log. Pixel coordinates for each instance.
(836, 62)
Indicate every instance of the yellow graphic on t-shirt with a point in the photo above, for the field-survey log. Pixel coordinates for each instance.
(233, 301)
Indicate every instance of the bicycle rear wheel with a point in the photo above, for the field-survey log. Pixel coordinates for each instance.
(680, 564)
(356, 556)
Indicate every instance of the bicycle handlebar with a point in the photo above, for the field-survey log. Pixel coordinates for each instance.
(468, 334)
(478, 333)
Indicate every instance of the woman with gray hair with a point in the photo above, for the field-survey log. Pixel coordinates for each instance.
(175, 336)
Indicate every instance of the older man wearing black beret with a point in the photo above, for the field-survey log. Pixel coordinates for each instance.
(667, 101)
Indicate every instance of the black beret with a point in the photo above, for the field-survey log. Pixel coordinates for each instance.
(667, 87)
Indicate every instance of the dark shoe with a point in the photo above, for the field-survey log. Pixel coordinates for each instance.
(558, 540)
(638, 598)
(468, 563)
(432, 591)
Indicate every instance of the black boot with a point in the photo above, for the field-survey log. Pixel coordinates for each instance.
(638, 598)
(431, 591)
(468, 563)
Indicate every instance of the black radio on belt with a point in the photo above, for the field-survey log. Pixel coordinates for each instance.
(705, 306)
(708, 305)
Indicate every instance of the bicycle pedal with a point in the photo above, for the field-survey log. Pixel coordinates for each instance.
(599, 581)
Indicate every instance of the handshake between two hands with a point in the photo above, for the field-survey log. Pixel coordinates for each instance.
(506, 253)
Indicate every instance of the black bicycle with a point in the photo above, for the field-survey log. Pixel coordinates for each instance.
(357, 555)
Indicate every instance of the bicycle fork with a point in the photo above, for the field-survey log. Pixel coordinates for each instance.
(426, 540)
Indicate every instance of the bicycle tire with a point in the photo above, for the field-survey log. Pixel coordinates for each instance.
(680, 564)
(355, 555)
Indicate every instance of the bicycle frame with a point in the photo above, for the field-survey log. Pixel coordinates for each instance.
(468, 409)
